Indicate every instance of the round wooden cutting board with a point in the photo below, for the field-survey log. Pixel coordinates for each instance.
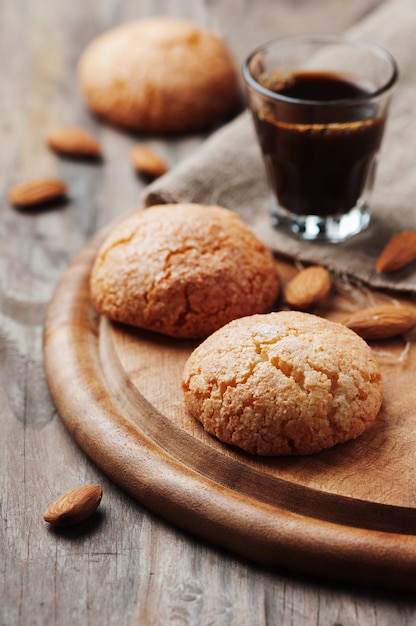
(348, 513)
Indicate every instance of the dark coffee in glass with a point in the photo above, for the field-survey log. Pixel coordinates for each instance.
(320, 131)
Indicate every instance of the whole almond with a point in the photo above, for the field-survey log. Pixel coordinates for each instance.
(400, 251)
(73, 141)
(35, 192)
(147, 162)
(75, 506)
(382, 321)
(309, 287)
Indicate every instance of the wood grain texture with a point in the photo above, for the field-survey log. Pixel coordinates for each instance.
(127, 566)
(119, 392)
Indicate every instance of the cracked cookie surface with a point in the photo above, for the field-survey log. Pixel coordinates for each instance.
(183, 270)
(283, 383)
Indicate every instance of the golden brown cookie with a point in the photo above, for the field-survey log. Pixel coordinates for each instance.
(283, 383)
(160, 75)
(183, 270)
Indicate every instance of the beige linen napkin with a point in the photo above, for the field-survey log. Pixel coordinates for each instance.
(228, 170)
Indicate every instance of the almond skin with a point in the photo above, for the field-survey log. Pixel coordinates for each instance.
(35, 192)
(382, 321)
(309, 287)
(75, 506)
(400, 251)
(74, 142)
(146, 162)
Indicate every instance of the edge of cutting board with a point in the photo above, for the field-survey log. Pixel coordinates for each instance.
(104, 421)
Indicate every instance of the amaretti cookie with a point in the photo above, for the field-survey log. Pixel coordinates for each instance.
(283, 383)
(183, 270)
(159, 74)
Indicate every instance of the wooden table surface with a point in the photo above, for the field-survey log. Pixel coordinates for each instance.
(127, 566)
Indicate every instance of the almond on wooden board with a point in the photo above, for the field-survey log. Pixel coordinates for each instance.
(399, 251)
(35, 192)
(309, 287)
(75, 506)
(73, 141)
(146, 161)
(382, 321)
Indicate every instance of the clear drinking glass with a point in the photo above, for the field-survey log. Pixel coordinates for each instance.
(319, 106)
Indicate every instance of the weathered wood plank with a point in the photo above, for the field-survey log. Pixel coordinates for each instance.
(127, 566)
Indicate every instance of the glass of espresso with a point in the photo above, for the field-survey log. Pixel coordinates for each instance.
(319, 106)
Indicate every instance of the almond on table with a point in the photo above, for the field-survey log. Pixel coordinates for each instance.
(382, 321)
(400, 251)
(309, 287)
(36, 192)
(73, 141)
(146, 161)
(75, 506)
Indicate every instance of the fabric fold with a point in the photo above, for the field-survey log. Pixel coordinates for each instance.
(228, 170)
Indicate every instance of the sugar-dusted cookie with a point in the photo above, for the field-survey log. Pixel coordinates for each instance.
(183, 270)
(159, 74)
(283, 383)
